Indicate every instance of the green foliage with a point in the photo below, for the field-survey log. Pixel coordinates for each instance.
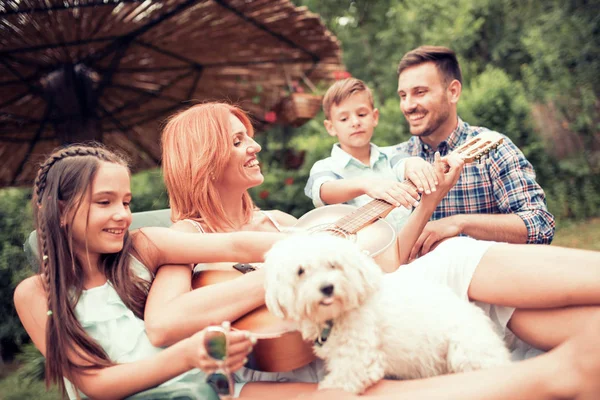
(13, 387)
(33, 362)
(15, 225)
(148, 191)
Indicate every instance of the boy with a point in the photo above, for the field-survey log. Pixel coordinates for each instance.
(357, 170)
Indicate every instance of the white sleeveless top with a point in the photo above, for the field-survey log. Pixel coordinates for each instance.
(122, 335)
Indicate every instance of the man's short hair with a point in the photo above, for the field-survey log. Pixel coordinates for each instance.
(444, 59)
(341, 90)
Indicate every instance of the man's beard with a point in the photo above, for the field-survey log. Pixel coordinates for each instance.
(432, 126)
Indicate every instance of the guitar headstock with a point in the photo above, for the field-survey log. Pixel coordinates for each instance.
(479, 146)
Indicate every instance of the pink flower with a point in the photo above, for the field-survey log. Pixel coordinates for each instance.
(289, 181)
(339, 75)
(264, 194)
(271, 117)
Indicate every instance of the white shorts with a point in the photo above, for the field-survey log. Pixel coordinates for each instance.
(310, 373)
(453, 263)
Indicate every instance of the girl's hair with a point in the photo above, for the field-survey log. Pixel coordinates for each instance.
(196, 146)
(62, 184)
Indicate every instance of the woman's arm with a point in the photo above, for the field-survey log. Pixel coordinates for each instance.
(411, 231)
(174, 311)
(160, 246)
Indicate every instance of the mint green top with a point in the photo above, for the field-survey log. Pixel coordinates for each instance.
(122, 335)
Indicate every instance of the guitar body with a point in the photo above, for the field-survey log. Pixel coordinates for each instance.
(378, 238)
(280, 346)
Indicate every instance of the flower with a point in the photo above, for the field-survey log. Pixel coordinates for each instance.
(271, 117)
(297, 88)
(289, 181)
(264, 194)
(339, 75)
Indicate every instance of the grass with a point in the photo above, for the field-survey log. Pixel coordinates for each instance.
(584, 235)
(13, 387)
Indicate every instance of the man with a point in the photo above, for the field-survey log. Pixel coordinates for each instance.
(498, 199)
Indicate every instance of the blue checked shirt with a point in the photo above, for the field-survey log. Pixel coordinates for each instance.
(502, 183)
(342, 165)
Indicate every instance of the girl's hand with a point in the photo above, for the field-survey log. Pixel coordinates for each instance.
(239, 345)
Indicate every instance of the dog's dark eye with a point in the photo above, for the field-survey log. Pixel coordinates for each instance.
(300, 271)
(332, 266)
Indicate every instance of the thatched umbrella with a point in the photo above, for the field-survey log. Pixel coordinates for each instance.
(113, 70)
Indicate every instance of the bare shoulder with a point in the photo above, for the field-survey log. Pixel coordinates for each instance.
(31, 303)
(28, 290)
(184, 226)
(282, 218)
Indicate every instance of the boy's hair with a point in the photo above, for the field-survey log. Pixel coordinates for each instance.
(341, 90)
(196, 146)
(444, 59)
(62, 184)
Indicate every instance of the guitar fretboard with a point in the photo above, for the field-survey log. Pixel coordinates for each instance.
(363, 216)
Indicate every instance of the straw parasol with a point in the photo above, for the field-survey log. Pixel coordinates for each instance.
(114, 70)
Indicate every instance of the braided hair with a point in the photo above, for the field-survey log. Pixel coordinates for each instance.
(62, 184)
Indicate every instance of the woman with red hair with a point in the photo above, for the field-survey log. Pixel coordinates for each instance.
(210, 162)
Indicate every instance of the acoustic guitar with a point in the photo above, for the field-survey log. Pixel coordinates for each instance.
(365, 225)
(280, 347)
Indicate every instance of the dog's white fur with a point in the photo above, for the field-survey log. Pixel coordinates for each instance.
(383, 325)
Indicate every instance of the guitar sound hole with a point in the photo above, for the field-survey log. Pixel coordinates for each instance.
(332, 230)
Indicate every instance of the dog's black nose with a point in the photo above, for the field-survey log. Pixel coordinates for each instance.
(327, 290)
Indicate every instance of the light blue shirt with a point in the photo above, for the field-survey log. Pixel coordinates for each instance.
(342, 165)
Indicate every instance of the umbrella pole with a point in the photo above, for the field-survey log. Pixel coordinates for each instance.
(72, 94)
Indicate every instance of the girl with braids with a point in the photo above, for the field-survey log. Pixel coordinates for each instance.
(84, 310)
(210, 160)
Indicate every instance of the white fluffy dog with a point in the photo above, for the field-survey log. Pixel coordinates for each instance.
(367, 325)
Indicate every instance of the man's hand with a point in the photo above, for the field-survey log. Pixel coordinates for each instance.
(434, 233)
(396, 193)
(421, 174)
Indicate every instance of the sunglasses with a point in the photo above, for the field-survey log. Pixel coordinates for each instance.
(216, 344)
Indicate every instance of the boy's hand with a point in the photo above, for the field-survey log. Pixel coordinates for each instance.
(421, 174)
(395, 193)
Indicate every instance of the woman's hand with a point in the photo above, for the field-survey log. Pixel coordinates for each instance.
(447, 170)
(239, 345)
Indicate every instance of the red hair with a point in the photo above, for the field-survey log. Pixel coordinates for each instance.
(196, 146)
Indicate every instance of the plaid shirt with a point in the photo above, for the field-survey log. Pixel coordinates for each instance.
(502, 183)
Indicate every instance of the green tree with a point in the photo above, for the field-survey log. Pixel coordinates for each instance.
(15, 226)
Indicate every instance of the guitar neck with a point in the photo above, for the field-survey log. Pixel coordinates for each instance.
(470, 151)
(367, 214)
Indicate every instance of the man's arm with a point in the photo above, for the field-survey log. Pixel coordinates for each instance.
(517, 193)
(523, 216)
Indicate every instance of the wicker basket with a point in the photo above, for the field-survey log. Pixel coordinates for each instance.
(299, 108)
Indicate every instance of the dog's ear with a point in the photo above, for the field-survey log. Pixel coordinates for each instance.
(362, 272)
(309, 330)
(274, 282)
(272, 291)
